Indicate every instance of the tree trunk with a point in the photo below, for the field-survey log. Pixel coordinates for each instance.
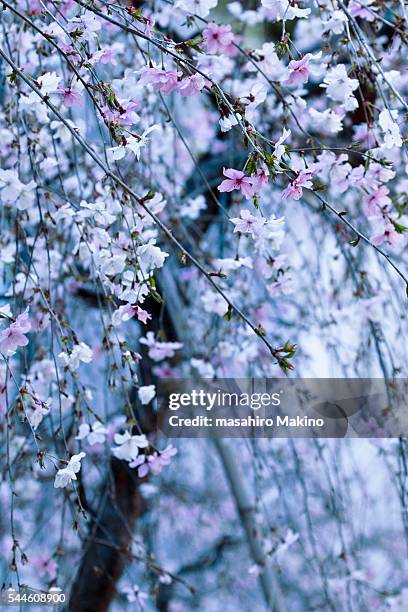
(108, 546)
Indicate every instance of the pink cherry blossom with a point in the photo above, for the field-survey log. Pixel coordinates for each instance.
(388, 235)
(159, 350)
(128, 311)
(45, 565)
(35, 7)
(357, 176)
(218, 38)
(362, 8)
(248, 224)
(364, 134)
(142, 315)
(295, 189)
(191, 86)
(299, 71)
(237, 180)
(127, 115)
(375, 204)
(260, 179)
(14, 335)
(71, 96)
(153, 463)
(164, 81)
(376, 174)
(340, 176)
(105, 56)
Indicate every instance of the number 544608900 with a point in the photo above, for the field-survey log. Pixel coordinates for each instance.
(18, 597)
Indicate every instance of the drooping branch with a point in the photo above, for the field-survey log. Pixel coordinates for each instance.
(246, 510)
(239, 489)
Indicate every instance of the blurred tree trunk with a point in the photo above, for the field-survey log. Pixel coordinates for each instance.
(107, 548)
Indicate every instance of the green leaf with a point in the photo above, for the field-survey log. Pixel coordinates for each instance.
(399, 227)
(228, 314)
(149, 196)
(156, 296)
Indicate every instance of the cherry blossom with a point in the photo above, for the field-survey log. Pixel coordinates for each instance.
(70, 96)
(94, 434)
(197, 7)
(295, 189)
(340, 87)
(260, 179)
(13, 191)
(192, 208)
(289, 540)
(191, 86)
(227, 123)
(270, 235)
(159, 350)
(218, 38)
(146, 393)
(107, 55)
(45, 566)
(388, 235)
(164, 81)
(150, 257)
(134, 593)
(133, 144)
(389, 126)
(377, 202)
(270, 63)
(37, 410)
(127, 311)
(328, 121)
(66, 475)
(155, 462)
(363, 9)
(49, 82)
(279, 148)
(236, 179)
(248, 223)
(128, 445)
(283, 9)
(299, 69)
(214, 302)
(335, 22)
(15, 334)
(81, 353)
(249, 17)
(253, 99)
